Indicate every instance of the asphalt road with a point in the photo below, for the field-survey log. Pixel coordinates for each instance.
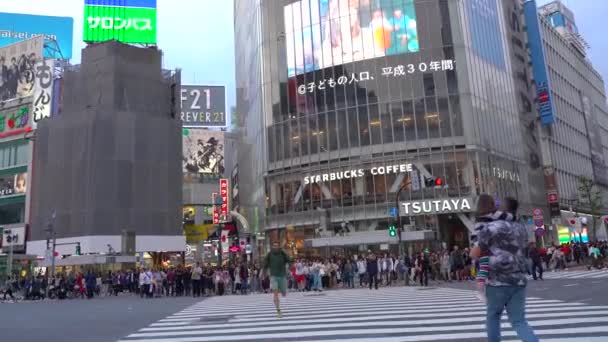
(589, 291)
(96, 320)
(112, 319)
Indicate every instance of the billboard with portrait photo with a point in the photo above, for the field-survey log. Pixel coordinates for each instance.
(324, 33)
(203, 151)
(18, 68)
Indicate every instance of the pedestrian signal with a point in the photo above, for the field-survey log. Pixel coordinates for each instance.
(392, 232)
(78, 248)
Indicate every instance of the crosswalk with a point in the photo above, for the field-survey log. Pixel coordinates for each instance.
(584, 274)
(387, 315)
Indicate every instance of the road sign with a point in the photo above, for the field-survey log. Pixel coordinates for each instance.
(539, 222)
(539, 231)
(537, 212)
(393, 212)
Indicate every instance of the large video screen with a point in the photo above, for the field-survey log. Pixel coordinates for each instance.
(325, 33)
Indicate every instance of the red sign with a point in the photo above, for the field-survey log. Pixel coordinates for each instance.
(235, 249)
(552, 197)
(216, 210)
(224, 194)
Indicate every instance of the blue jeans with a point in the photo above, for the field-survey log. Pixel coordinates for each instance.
(316, 282)
(513, 298)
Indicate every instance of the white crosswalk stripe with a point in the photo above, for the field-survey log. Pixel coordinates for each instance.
(398, 314)
(585, 274)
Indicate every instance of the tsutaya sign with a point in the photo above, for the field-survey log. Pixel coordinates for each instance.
(355, 173)
(439, 206)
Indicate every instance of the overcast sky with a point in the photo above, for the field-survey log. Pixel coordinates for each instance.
(197, 35)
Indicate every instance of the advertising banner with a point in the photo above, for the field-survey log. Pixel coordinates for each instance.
(15, 184)
(203, 106)
(224, 194)
(127, 21)
(324, 33)
(13, 236)
(15, 121)
(18, 68)
(16, 27)
(43, 91)
(203, 152)
(539, 68)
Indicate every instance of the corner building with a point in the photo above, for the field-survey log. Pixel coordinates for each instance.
(347, 104)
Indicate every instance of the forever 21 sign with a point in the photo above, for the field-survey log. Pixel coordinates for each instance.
(203, 106)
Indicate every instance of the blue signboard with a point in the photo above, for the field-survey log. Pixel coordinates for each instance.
(18, 27)
(539, 68)
(486, 36)
(393, 212)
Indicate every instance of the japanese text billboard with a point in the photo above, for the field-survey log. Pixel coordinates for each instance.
(203, 151)
(203, 106)
(43, 91)
(325, 33)
(18, 68)
(17, 27)
(127, 21)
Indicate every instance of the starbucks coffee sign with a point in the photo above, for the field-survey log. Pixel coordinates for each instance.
(436, 206)
(356, 173)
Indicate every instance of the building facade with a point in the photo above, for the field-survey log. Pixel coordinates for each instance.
(351, 111)
(364, 101)
(577, 141)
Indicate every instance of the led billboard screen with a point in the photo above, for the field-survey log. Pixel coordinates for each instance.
(325, 33)
(127, 21)
(203, 151)
(17, 27)
(203, 106)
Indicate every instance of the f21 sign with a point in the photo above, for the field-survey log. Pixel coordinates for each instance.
(203, 106)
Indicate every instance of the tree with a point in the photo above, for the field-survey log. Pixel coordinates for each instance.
(590, 198)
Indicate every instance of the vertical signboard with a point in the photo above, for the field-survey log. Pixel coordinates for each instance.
(539, 69)
(15, 27)
(18, 68)
(224, 195)
(43, 92)
(203, 106)
(127, 21)
(216, 209)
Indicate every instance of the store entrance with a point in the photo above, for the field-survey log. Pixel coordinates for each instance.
(453, 232)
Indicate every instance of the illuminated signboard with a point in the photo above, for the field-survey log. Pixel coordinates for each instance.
(15, 121)
(127, 21)
(224, 195)
(325, 33)
(356, 173)
(539, 68)
(444, 206)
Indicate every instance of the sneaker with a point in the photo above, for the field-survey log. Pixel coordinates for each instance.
(279, 314)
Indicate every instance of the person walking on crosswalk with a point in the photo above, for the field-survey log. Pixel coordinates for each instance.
(504, 240)
(275, 264)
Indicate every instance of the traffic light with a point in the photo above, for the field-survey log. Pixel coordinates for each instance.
(78, 248)
(392, 232)
(430, 182)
